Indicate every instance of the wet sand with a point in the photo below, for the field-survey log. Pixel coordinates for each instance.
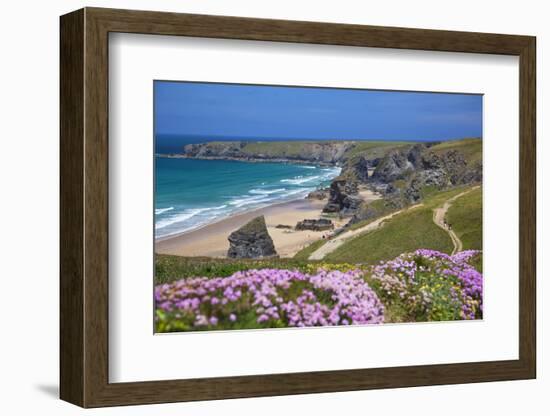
(211, 240)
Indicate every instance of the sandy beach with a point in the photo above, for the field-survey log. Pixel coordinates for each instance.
(211, 240)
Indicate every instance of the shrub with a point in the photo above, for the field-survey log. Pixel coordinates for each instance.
(431, 286)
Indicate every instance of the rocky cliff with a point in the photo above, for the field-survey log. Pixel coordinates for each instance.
(329, 152)
(343, 197)
(422, 166)
(400, 171)
(403, 175)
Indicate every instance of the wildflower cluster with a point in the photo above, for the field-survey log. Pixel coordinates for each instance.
(342, 267)
(267, 298)
(431, 286)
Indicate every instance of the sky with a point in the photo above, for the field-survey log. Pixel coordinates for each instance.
(212, 110)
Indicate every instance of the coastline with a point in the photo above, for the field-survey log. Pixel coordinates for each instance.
(250, 159)
(211, 240)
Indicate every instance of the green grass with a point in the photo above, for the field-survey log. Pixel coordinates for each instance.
(404, 232)
(471, 148)
(169, 268)
(465, 216)
(276, 149)
(304, 253)
(296, 148)
(375, 148)
(363, 223)
(376, 209)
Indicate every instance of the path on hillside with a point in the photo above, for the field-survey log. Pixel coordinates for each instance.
(439, 219)
(340, 239)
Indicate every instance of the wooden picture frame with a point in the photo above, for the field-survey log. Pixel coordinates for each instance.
(84, 207)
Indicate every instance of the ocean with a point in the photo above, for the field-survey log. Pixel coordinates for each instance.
(190, 193)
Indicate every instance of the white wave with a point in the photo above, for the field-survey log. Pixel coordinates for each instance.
(266, 191)
(220, 207)
(334, 171)
(300, 180)
(308, 167)
(161, 210)
(177, 221)
(299, 191)
(184, 216)
(241, 202)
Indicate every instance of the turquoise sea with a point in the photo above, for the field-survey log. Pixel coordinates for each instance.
(190, 193)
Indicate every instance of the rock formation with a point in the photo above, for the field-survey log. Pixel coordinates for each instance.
(400, 173)
(394, 166)
(323, 152)
(251, 241)
(343, 197)
(357, 168)
(319, 194)
(403, 173)
(315, 225)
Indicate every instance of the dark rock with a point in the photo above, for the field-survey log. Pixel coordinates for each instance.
(284, 226)
(357, 169)
(315, 225)
(415, 155)
(350, 204)
(430, 161)
(343, 197)
(454, 164)
(419, 166)
(365, 211)
(390, 190)
(394, 166)
(412, 192)
(319, 194)
(251, 241)
(374, 162)
(472, 174)
(437, 178)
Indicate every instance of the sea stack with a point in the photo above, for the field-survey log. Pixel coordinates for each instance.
(251, 241)
(343, 197)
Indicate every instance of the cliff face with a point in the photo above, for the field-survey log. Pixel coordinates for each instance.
(403, 175)
(400, 171)
(343, 197)
(332, 153)
(423, 166)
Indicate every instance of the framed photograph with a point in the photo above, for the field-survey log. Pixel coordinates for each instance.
(255, 207)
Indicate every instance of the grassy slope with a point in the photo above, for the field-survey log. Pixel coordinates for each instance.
(294, 148)
(405, 232)
(170, 268)
(471, 147)
(465, 216)
(374, 148)
(275, 149)
(304, 253)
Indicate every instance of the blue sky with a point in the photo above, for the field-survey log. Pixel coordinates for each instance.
(271, 112)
